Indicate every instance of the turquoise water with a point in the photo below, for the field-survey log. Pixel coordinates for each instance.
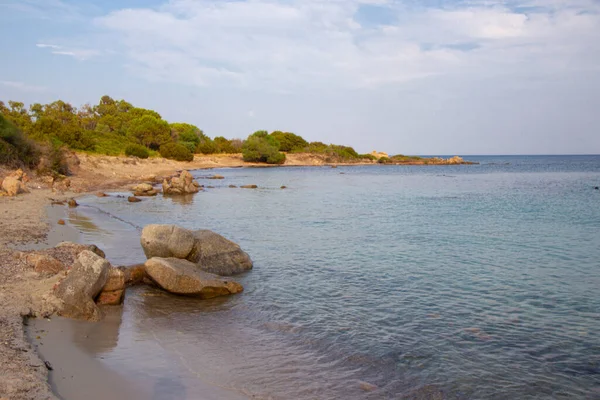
(461, 282)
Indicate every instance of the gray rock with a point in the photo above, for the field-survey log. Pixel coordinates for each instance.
(215, 254)
(81, 286)
(167, 241)
(183, 277)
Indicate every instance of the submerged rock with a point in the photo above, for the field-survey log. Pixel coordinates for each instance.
(133, 199)
(72, 203)
(210, 251)
(216, 177)
(249, 187)
(81, 286)
(181, 277)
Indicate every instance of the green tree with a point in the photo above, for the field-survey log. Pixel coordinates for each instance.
(183, 132)
(289, 141)
(260, 147)
(149, 131)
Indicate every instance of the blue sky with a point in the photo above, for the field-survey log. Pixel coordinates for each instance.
(402, 76)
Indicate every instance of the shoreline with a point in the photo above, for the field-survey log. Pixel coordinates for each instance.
(30, 223)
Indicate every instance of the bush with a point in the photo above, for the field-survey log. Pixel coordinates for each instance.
(191, 146)
(262, 148)
(206, 146)
(384, 160)
(368, 157)
(289, 141)
(137, 150)
(16, 150)
(176, 151)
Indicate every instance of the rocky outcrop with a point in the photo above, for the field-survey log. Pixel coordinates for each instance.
(379, 155)
(56, 259)
(83, 283)
(183, 277)
(144, 189)
(210, 251)
(183, 184)
(14, 184)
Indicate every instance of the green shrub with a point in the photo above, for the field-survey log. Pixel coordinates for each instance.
(176, 151)
(191, 146)
(384, 160)
(16, 150)
(259, 147)
(289, 141)
(137, 150)
(368, 157)
(206, 146)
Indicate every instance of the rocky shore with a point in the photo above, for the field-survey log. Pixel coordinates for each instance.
(42, 276)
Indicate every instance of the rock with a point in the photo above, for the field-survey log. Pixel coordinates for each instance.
(367, 387)
(182, 277)
(210, 187)
(144, 189)
(101, 194)
(455, 160)
(215, 254)
(379, 154)
(216, 177)
(597, 187)
(72, 203)
(113, 298)
(61, 184)
(45, 264)
(183, 184)
(14, 184)
(115, 280)
(210, 251)
(284, 187)
(76, 248)
(167, 241)
(249, 187)
(232, 186)
(334, 166)
(134, 274)
(61, 222)
(133, 199)
(81, 286)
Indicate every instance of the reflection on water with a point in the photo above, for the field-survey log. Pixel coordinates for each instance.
(381, 283)
(183, 200)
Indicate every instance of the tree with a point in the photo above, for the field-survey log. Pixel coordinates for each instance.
(183, 132)
(260, 147)
(289, 141)
(149, 131)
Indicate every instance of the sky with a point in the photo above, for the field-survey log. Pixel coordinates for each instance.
(402, 76)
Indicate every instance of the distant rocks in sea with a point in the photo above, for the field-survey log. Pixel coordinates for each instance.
(182, 184)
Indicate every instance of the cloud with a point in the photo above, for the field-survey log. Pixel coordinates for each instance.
(22, 86)
(77, 53)
(316, 43)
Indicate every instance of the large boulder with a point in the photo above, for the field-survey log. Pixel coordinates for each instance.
(182, 277)
(83, 283)
(210, 251)
(183, 184)
(217, 255)
(15, 183)
(167, 241)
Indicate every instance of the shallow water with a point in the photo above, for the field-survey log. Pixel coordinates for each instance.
(461, 282)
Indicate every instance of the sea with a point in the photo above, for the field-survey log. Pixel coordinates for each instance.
(374, 282)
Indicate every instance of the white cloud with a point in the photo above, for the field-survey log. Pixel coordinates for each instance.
(77, 53)
(284, 45)
(22, 86)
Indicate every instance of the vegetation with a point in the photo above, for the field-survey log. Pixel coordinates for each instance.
(116, 127)
(289, 142)
(137, 150)
(384, 160)
(176, 151)
(16, 150)
(262, 147)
